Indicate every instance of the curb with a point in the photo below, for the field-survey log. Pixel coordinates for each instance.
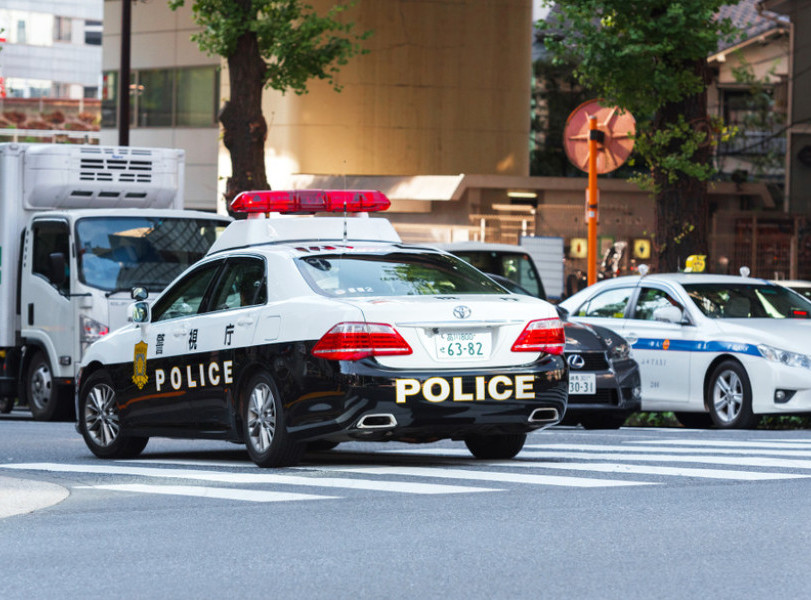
(21, 496)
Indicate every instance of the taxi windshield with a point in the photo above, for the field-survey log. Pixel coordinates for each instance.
(119, 253)
(748, 301)
(394, 274)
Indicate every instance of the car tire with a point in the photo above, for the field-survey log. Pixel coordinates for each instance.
(321, 446)
(603, 421)
(729, 397)
(99, 421)
(694, 420)
(501, 446)
(46, 400)
(265, 434)
(6, 405)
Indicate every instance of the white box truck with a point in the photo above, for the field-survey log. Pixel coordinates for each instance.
(80, 226)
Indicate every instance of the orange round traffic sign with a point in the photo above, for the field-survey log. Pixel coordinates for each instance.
(617, 127)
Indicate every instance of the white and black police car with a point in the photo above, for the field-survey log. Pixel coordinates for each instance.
(314, 330)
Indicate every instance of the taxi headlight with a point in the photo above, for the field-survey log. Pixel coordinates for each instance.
(785, 357)
(619, 352)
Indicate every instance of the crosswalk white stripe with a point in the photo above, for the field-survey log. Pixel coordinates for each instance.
(743, 461)
(500, 477)
(652, 470)
(668, 450)
(207, 492)
(266, 478)
(720, 443)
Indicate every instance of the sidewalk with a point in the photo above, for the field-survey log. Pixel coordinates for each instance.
(20, 496)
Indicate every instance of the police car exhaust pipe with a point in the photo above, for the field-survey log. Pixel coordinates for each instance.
(377, 421)
(544, 415)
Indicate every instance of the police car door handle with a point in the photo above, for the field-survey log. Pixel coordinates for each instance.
(181, 332)
(246, 321)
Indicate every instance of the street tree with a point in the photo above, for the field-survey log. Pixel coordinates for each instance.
(276, 44)
(650, 57)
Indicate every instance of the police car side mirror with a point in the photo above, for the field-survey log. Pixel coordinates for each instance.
(139, 312)
(669, 314)
(139, 293)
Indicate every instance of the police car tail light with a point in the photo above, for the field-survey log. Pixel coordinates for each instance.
(543, 335)
(353, 341)
(310, 201)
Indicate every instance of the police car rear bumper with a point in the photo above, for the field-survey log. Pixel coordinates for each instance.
(377, 404)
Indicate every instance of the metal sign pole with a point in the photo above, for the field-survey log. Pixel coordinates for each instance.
(591, 201)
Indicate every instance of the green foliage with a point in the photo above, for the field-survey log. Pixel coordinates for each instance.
(296, 43)
(644, 56)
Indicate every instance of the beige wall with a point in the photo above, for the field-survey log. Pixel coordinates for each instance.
(443, 90)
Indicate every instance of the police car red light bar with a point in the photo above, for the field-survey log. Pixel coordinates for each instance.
(310, 201)
(543, 335)
(353, 341)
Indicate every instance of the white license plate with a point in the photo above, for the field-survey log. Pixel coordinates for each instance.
(584, 384)
(463, 345)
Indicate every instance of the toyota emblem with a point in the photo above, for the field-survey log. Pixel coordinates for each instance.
(576, 361)
(461, 312)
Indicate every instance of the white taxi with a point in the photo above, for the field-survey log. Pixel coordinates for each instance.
(302, 330)
(715, 349)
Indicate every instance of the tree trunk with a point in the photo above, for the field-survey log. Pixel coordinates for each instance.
(244, 127)
(681, 206)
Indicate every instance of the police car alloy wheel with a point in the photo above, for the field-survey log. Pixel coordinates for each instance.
(730, 397)
(99, 423)
(266, 439)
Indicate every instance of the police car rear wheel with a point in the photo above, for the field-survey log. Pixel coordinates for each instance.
(99, 422)
(499, 446)
(266, 438)
(730, 397)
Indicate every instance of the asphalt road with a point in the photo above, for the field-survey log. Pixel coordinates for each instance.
(634, 513)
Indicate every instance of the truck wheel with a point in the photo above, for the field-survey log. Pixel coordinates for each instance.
(47, 401)
(500, 446)
(730, 397)
(6, 404)
(266, 437)
(99, 423)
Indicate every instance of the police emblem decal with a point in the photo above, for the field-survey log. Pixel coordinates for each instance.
(139, 376)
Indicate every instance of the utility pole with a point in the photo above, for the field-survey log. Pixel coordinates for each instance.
(124, 75)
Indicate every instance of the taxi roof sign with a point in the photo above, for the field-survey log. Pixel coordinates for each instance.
(310, 201)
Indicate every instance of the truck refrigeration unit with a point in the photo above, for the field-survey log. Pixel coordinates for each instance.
(80, 226)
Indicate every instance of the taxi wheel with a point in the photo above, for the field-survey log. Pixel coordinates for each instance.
(266, 438)
(729, 397)
(505, 445)
(47, 400)
(6, 404)
(99, 423)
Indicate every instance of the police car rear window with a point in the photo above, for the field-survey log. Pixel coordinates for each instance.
(393, 274)
(719, 301)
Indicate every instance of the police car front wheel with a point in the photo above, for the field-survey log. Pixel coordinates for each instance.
(266, 437)
(99, 423)
(501, 446)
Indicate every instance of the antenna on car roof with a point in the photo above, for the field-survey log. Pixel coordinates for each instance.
(345, 224)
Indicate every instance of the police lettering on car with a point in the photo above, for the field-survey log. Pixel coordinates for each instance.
(325, 329)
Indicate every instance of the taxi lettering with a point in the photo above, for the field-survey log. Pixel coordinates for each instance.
(439, 389)
(192, 376)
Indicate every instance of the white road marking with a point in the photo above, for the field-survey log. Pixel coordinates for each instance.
(652, 470)
(207, 492)
(243, 478)
(776, 445)
(500, 477)
(666, 450)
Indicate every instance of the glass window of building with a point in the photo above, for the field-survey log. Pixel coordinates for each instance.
(197, 97)
(155, 92)
(62, 29)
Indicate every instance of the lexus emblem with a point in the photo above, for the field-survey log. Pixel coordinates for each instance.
(576, 361)
(461, 312)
